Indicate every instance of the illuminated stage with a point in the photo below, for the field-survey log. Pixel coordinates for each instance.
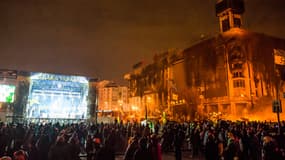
(54, 96)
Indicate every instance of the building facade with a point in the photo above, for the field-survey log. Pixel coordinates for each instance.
(152, 86)
(112, 97)
(232, 75)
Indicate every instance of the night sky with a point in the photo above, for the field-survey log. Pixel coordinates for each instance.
(105, 38)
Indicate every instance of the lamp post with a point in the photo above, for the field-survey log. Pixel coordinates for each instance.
(278, 84)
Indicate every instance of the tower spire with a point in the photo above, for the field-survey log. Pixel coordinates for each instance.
(229, 13)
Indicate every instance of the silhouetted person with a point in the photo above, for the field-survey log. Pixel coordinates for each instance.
(155, 148)
(142, 153)
(211, 148)
(20, 155)
(178, 142)
(106, 152)
(60, 150)
(131, 149)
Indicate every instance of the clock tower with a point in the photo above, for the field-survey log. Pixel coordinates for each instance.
(229, 13)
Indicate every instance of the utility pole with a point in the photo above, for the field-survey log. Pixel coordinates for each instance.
(277, 106)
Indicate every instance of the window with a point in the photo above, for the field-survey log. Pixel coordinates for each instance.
(225, 25)
(239, 84)
(237, 74)
(237, 22)
(237, 66)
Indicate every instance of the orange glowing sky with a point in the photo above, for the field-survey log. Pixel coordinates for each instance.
(104, 38)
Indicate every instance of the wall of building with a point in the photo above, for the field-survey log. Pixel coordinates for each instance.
(231, 73)
(112, 97)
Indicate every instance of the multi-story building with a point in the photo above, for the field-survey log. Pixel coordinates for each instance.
(233, 73)
(112, 97)
(152, 89)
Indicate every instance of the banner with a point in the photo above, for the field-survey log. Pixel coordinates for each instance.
(279, 56)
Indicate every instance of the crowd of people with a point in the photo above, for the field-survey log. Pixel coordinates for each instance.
(221, 140)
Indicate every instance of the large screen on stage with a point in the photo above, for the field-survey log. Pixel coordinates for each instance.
(7, 93)
(57, 96)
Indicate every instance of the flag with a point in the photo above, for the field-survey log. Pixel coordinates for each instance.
(279, 56)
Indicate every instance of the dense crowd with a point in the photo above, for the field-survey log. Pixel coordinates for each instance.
(222, 140)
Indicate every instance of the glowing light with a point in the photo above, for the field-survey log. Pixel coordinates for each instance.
(59, 85)
(57, 96)
(120, 102)
(135, 108)
(148, 99)
(56, 77)
(7, 93)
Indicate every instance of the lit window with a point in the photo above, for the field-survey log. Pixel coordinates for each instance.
(239, 84)
(237, 66)
(237, 74)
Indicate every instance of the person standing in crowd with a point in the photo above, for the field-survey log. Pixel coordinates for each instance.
(254, 147)
(5, 158)
(155, 148)
(19, 136)
(32, 150)
(60, 150)
(196, 141)
(211, 148)
(142, 153)
(271, 151)
(231, 151)
(132, 147)
(106, 152)
(245, 144)
(74, 147)
(43, 145)
(20, 155)
(178, 142)
(221, 142)
(90, 147)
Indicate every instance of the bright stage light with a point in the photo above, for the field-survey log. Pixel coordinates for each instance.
(57, 96)
(7, 93)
